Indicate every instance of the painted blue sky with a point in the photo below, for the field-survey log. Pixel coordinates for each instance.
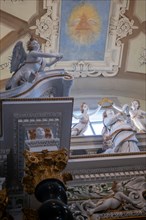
(69, 48)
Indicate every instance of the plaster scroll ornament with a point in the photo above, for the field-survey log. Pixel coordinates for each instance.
(26, 67)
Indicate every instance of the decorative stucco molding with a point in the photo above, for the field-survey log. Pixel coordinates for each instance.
(86, 198)
(120, 26)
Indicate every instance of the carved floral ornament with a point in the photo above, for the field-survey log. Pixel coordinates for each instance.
(120, 26)
(43, 165)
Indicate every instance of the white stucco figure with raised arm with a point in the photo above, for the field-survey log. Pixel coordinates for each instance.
(119, 132)
(82, 125)
(26, 66)
(137, 116)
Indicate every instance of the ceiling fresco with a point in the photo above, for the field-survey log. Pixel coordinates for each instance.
(121, 72)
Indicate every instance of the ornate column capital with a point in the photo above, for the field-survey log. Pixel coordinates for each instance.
(44, 165)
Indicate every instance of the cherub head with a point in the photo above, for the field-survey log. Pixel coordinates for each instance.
(40, 133)
(33, 44)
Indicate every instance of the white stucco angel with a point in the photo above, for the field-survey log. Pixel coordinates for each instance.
(82, 125)
(26, 66)
(119, 132)
(137, 116)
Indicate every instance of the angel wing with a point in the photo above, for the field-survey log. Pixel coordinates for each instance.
(18, 57)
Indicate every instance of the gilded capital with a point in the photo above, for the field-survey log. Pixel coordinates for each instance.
(43, 165)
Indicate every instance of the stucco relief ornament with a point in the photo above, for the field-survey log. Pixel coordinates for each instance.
(82, 69)
(122, 28)
(125, 199)
(46, 27)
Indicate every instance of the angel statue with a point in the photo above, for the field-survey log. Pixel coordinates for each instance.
(136, 114)
(27, 66)
(79, 128)
(117, 133)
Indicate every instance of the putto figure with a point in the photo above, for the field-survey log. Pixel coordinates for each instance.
(25, 67)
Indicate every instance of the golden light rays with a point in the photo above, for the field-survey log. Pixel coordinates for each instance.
(84, 24)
